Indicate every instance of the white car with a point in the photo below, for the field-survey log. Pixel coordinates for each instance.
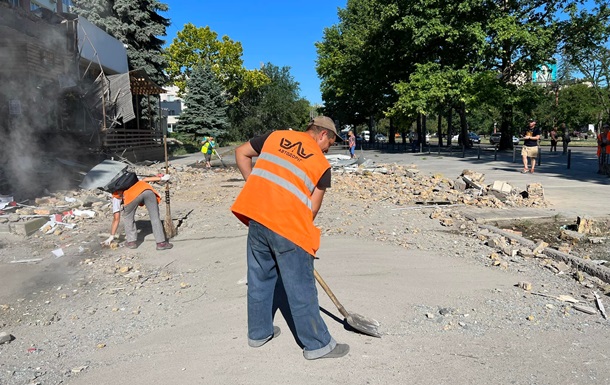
(515, 140)
(365, 135)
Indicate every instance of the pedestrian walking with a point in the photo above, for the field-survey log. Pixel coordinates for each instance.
(351, 140)
(279, 202)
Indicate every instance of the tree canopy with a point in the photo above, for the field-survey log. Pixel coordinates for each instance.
(194, 45)
(273, 106)
(401, 58)
(205, 112)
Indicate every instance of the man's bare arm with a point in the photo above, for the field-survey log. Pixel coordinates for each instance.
(243, 158)
(316, 201)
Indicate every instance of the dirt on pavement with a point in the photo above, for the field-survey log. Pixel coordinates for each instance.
(452, 308)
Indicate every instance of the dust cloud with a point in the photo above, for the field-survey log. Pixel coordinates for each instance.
(34, 131)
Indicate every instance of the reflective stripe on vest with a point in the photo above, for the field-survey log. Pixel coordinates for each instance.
(283, 182)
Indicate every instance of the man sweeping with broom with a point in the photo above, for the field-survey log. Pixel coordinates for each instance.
(139, 194)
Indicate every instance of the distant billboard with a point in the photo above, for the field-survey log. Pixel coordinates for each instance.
(546, 73)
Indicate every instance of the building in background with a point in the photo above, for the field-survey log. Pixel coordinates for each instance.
(67, 93)
(172, 105)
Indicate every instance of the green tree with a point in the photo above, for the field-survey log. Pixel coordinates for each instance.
(273, 106)
(205, 107)
(578, 106)
(586, 50)
(194, 45)
(361, 58)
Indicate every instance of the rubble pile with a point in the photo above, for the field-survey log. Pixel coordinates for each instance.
(402, 185)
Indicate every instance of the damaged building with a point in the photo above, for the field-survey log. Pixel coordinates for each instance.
(68, 99)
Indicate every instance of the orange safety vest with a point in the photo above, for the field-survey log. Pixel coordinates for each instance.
(278, 192)
(599, 146)
(132, 193)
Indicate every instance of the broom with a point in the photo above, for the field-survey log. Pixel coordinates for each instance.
(168, 223)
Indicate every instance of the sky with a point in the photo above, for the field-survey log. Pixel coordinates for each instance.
(282, 33)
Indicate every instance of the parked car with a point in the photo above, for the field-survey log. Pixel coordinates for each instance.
(381, 138)
(495, 138)
(365, 135)
(474, 138)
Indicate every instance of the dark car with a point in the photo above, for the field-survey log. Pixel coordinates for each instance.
(474, 138)
(495, 138)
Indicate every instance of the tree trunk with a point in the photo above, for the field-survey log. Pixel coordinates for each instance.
(424, 132)
(418, 130)
(439, 134)
(463, 126)
(449, 125)
(506, 140)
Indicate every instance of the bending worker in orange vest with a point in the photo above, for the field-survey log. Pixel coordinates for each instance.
(139, 194)
(279, 202)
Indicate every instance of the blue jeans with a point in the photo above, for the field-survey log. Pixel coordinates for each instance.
(273, 259)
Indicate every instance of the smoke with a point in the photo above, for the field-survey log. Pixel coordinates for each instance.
(34, 130)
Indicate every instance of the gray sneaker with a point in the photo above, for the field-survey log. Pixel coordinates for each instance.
(339, 351)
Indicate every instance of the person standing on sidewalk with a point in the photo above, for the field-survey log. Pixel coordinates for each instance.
(565, 138)
(127, 201)
(530, 146)
(279, 202)
(553, 140)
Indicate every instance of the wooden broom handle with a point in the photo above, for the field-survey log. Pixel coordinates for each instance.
(330, 294)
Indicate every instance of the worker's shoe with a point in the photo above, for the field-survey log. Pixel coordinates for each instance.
(257, 344)
(339, 351)
(131, 245)
(164, 245)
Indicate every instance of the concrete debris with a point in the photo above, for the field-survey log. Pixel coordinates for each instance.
(600, 305)
(585, 309)
(405, 185)
(572, 236)
(587, 225)
(527, 286)
(5, 337)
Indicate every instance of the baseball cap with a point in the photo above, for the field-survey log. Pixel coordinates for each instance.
(327, 123)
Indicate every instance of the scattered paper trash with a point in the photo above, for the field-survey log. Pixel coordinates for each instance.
(58, 253)
(84, 213)
(70, 199)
